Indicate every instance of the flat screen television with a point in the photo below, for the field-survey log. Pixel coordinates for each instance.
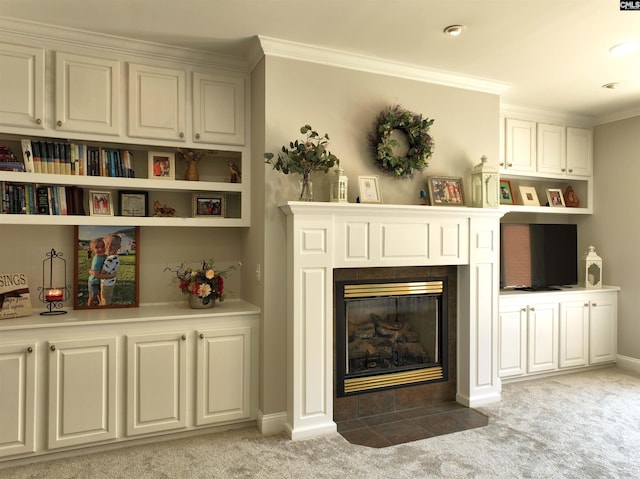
(538, 256)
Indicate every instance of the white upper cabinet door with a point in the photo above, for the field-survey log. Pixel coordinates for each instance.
(157, 102)
(520, 143)
(87, 94)
(21, 86)
(579, 151)
(551, 149)
(218, 109)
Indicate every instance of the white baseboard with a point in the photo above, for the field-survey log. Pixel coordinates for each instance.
(270, 424)
(628, 363)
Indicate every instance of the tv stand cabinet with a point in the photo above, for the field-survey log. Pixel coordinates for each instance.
(556, 331)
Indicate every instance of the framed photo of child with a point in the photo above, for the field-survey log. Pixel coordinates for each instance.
(107, 267)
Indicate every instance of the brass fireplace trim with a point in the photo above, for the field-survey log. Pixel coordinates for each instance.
(393, 379)
(365, 290)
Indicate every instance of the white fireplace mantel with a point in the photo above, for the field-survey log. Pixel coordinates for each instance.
(324, 236)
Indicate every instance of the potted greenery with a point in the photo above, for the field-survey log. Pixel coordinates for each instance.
(304, 157)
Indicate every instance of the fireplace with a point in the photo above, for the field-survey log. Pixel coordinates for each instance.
(390, 332)
(324, 239)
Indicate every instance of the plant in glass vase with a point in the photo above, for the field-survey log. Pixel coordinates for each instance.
(204, 284)
(304, 157)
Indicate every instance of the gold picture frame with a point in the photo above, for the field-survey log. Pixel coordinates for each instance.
(208, 205)
(446, 190)
(162, 165)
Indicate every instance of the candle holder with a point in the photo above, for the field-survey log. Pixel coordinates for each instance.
(54, 293)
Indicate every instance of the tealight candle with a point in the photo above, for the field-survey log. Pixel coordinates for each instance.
(53, 294)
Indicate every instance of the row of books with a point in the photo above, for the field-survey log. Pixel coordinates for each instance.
(33, 199)
(64, 158)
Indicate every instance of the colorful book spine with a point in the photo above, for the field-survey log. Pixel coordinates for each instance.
(36, 147)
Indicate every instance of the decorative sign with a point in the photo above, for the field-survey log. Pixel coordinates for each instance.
(14, 295)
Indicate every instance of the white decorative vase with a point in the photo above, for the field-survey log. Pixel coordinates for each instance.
(196, 302)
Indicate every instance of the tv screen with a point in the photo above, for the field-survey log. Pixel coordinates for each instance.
(538, 256)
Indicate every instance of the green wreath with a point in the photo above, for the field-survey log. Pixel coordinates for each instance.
(382, 143)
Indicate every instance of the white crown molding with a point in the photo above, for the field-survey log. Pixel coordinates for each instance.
(25, 32)
(550, 116)
(617, 116)
(326, 56)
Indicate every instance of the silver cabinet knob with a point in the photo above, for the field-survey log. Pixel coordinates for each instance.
(29, 349)
(59, 123)
(38, 121)
(197, 136)
(184, 337)
(53, 348)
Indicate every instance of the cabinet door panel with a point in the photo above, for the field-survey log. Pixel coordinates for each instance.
(87, 94)
(82, 391)
(17, 398)
(218, 109)
(224, 375)
(512, 336)
(157, 102)
(551, 151)
(574, 333)
(520, 141)
(603, 331)
(21, 86)
(543, 337)
(579, 151)
(156, 382)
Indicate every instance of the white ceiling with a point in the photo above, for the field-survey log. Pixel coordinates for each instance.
(552, 53)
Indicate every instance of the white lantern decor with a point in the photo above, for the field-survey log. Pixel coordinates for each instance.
(485, 182)
(591, 269)
(339, 184)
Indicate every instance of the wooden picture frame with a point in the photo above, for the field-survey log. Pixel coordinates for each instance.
(162, 165)
(445, 190)
(529, 196)
(133, 203)
(506, 193)
(369, 188)
(100, 203)
(104, 293)
(208, 205)
(555, 198)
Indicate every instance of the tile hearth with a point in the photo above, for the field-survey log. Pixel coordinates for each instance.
(398, 427)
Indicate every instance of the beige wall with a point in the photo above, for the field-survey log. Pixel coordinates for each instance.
(613, 228)
(344, 104)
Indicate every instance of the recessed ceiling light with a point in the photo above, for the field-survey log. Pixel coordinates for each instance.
(455, 30)
(623, 48)
(610, 86)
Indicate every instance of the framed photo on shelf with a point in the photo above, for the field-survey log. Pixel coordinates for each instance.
(555, 197)
(208, 205)
(133, 203)
(107, 267)
(529, 196)
(100, 203)
(162, 165)
(506, 193)
(369, 188)
(445, 191)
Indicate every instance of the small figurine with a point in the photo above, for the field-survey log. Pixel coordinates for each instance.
(235, 172)
(163, 210)
(570, 198)
(424, 197)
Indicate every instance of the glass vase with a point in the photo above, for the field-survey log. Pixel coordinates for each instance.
(197, 302)
(306, 189)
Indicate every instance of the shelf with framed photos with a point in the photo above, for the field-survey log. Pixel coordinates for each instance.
(525, 190)
(168, 197)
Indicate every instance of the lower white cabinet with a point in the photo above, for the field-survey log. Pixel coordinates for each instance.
(82, 391)
(17, 398)
(541, 332)
(100, 377)
(156, 382)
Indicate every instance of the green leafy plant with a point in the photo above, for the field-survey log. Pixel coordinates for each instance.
(304, 156)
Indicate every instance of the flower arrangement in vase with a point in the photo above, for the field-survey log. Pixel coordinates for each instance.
(192, 158)
(203, 285)
(304, 157)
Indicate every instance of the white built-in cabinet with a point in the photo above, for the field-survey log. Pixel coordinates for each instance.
(157, 102)
(542, 332)
(543, 154)
(125, 373)
(156, 382)
(82, 391)
(87, 94)
(22, 87)
(17, 398)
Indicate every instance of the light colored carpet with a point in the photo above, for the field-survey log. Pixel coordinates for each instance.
(582, 425)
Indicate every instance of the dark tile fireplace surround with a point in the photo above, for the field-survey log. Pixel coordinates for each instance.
(406, 413)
